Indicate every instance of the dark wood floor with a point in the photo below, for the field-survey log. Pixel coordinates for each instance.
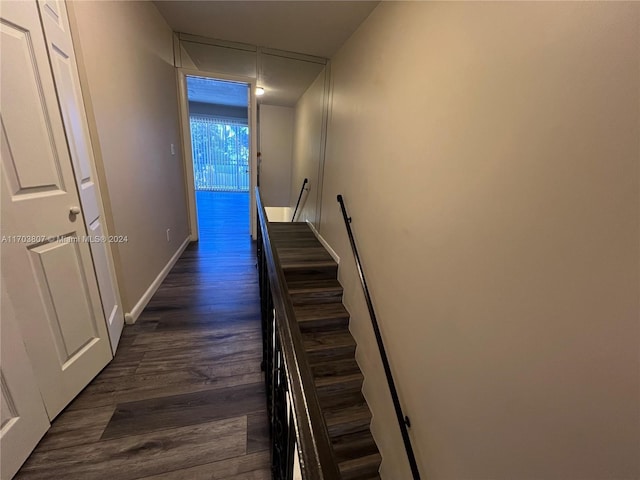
(184, 397)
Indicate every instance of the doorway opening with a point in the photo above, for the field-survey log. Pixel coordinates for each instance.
(220, 154)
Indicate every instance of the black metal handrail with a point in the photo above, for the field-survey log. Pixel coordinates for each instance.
(403, 420)
(304, 183)
(288, 374)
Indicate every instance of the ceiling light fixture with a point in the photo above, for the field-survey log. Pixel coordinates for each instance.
(259, 91)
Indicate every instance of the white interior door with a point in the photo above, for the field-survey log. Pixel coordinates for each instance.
(65, 74)
(47, 266)
(24, 419)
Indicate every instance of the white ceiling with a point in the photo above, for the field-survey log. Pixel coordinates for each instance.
(311, 27)
(284, 79)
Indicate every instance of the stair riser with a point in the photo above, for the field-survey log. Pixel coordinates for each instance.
(355, 426)
(335, 368)
(314, 273)
(362, 472)
(316, 298)
(352, 386)
(353, 450)
(338, 353)
(323, 324)
(349, 399)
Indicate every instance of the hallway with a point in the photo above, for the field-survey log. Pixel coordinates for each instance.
(184, 397)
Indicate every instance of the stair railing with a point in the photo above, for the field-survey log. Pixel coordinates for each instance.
(403, 420)
(296, 419)
(302, 189)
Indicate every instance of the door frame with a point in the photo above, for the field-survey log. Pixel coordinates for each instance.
(187, 154)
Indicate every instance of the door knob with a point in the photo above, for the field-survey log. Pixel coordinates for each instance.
(74, 210)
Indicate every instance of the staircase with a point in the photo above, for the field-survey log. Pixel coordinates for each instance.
(316, 294)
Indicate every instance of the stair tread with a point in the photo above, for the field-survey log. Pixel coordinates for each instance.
(320, 311)
(335, 367)
(290, 230)
(299, 248)
(310, 254)
(305, 286)
(350, 414)
(354, 445)
(300, 264)
(336, 400)
(318, 341)
(337, 379)
(361, 465)
(366, 460)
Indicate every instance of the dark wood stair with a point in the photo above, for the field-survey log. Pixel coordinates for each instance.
(312, 283)
(321, 317)
(311, 292)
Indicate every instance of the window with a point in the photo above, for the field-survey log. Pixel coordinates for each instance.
(220, 153)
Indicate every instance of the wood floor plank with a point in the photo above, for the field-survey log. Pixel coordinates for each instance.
(211, 338)
(94, 396)
(124, 363)
(218, 363)
(258, 432)
(196, 372)
(137, 456)
(160, 413)
(178, 359)
(255, 466)
(255, 475)
(200, 321)
(183, 305)
(76, 427)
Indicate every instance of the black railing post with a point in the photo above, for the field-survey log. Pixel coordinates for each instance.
(402, 419)
(282, 425)
(304, 183)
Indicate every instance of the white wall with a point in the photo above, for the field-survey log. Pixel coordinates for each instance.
(279, 214)
(125, 57)
(276, 146)
(489, 156)
(308, 150)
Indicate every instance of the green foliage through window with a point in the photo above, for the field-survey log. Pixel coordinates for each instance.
(220, 154)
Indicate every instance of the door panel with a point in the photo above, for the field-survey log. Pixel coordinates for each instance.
(75, 134)
(108, 292)
(26, 107)
(50, 278)
(61, 283)
(24, 419)
(65, 73)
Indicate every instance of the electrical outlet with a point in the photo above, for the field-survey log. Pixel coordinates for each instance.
(173, 149)
(168, 234)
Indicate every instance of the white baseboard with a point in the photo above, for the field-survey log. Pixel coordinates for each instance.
(324, 243)
(137, 309)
